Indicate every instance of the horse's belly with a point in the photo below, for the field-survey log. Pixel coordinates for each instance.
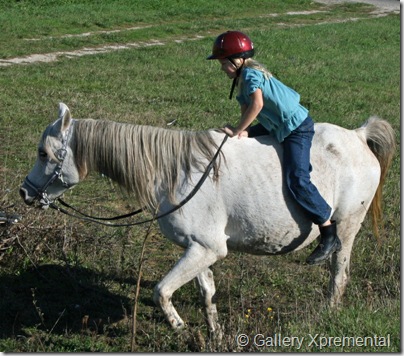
(263, 239)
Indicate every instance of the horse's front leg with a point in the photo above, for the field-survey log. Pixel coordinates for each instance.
(195, 261)
(207, 290)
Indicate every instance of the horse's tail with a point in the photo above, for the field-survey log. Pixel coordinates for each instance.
(380, 138)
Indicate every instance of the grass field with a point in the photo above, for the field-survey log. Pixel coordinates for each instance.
(69, 286)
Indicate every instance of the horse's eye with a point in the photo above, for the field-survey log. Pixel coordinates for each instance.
(42, 154)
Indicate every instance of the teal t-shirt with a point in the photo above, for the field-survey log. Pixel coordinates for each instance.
(282, 112)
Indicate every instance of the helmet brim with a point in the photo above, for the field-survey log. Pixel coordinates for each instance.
(245, 55)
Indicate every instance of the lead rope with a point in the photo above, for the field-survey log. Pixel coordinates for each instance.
(86, 217)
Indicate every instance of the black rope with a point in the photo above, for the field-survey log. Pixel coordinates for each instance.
(98, 218)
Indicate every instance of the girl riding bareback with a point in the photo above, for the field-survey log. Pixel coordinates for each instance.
(277, 108)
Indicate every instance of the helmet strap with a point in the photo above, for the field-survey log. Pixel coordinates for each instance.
(233, 85)
(235, 80)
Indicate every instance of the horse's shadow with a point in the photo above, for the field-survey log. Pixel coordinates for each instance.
(61, 299)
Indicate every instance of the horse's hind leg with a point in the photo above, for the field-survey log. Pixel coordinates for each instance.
(340, 264)
(195, 261)
(207, 290)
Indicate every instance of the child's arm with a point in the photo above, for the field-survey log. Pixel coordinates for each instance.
(248, 115)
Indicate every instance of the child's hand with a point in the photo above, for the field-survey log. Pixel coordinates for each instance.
(243, 134)
(232, 131)
(229, 130)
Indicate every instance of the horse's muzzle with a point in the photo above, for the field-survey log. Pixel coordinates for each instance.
(25, 196)
(43, 202)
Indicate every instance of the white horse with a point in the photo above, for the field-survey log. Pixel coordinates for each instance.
(243, 205)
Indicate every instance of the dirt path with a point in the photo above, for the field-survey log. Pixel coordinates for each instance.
(383, 8)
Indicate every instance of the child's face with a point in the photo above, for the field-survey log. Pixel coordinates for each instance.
(228, 67)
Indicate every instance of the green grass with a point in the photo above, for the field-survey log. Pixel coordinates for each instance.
(69, 286)
(31, 28)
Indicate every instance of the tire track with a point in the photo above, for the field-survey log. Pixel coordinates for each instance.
(86, 51)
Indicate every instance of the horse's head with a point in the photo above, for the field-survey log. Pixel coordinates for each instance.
(54, 171)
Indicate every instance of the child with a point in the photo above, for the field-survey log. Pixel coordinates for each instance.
(279, 112)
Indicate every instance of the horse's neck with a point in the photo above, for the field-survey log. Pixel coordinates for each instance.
(138, 158)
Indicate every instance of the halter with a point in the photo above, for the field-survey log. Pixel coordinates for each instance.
(60, 154)
(57, 174)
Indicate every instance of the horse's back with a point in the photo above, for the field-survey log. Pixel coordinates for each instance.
(344, 171)
(249, 205)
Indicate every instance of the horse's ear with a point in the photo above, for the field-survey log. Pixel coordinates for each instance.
(65, 116)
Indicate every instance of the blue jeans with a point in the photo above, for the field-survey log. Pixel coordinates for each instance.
(297, 168)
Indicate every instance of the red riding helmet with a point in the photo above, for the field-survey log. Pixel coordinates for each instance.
(232, 44)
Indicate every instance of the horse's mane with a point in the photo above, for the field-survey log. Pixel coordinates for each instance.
(140, 157)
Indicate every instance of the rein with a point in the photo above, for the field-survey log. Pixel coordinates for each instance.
(103, 221)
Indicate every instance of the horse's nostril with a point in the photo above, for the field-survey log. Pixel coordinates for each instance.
(25, 196)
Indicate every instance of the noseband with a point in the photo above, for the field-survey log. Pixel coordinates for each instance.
(41, 193)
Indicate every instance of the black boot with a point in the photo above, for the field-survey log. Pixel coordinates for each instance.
(329, 244)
